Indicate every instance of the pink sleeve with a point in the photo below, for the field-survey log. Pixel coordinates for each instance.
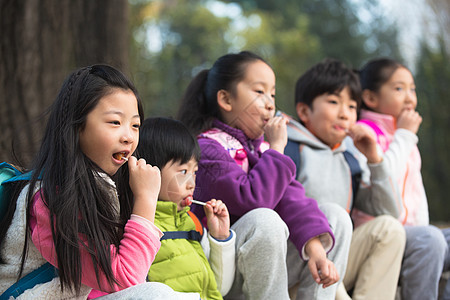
(130, 261)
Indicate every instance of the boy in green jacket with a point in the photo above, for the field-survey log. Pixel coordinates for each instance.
(190, 259)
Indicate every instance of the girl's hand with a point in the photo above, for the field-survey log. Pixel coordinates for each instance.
(218, 219)
(365, 141)
(145, 182)
(322, 269)
(409, 119)
(276, 133)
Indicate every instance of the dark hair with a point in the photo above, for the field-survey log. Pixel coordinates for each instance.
(162, 140)
(199, 104)
(79, 200)
(327, 77)
(377, 72)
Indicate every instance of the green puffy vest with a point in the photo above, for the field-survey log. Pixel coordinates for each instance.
(181, 263)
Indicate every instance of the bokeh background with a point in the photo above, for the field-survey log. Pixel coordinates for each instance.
(161, 45)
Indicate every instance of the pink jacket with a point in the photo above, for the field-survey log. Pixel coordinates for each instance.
(130, 262)
(403, 156)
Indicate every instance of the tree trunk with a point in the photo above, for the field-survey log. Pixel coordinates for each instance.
(41, 41)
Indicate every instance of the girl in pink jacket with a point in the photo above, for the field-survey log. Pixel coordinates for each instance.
(389, 103)
(89, 207)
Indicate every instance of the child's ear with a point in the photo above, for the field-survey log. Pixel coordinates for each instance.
(370, 99)
(303, 111)
(223, 100)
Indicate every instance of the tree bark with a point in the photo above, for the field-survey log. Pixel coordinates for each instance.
(41, 41)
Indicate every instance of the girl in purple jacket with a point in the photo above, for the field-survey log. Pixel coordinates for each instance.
(230, 107)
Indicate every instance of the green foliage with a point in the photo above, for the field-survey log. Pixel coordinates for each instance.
(432, 78)
(191, 38)
(291, 35)
(289, 51)
(346, 30)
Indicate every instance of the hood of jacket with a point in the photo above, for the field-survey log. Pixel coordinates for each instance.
(298, 133)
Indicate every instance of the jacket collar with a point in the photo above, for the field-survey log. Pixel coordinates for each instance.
(239, 135)
(387, 122)
(167, 208)
(298, 133)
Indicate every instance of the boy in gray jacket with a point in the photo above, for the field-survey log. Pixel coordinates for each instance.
(327, 97)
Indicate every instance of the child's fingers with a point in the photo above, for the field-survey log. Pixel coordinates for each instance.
(324, 270)
(277, 121)
(220, 208)
(209, 211)
(327, 280)
(217, 206)
(141, 162)
(131, 162)
(333, 276)
(314, 272)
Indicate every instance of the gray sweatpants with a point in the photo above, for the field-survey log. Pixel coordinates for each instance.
(261, 272)
(342, 227)
(263, 253)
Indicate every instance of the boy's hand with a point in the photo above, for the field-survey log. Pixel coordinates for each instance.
(409, 119)
(365, 141)
(145, 183)
(322, 269)
(276, 133)
(218, 219)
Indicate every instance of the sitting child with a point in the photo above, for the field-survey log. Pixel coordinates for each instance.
(326, 98)
(389, 112)
(230, 108)
(181, 263)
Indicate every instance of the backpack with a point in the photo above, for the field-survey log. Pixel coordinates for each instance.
(8, 175)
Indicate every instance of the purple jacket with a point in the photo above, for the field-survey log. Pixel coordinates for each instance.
(270, 183)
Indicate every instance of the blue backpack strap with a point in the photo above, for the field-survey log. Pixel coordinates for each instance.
(12, 170)
(187, 235)
(195, 235)
(8, 174)
(356, 171)
(43, 274)
(22, 177)
(292, 150)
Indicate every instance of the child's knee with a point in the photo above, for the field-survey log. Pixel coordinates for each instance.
(269, 222)
(428, 239)
(266, 224)
(437, 241)
(338, 218)
(391, 230)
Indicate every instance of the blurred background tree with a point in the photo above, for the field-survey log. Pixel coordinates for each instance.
(163, 44)
(40, 43)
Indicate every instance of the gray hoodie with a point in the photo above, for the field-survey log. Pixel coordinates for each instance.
(326, 176)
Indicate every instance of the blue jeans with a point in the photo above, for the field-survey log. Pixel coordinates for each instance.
(423, 262)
